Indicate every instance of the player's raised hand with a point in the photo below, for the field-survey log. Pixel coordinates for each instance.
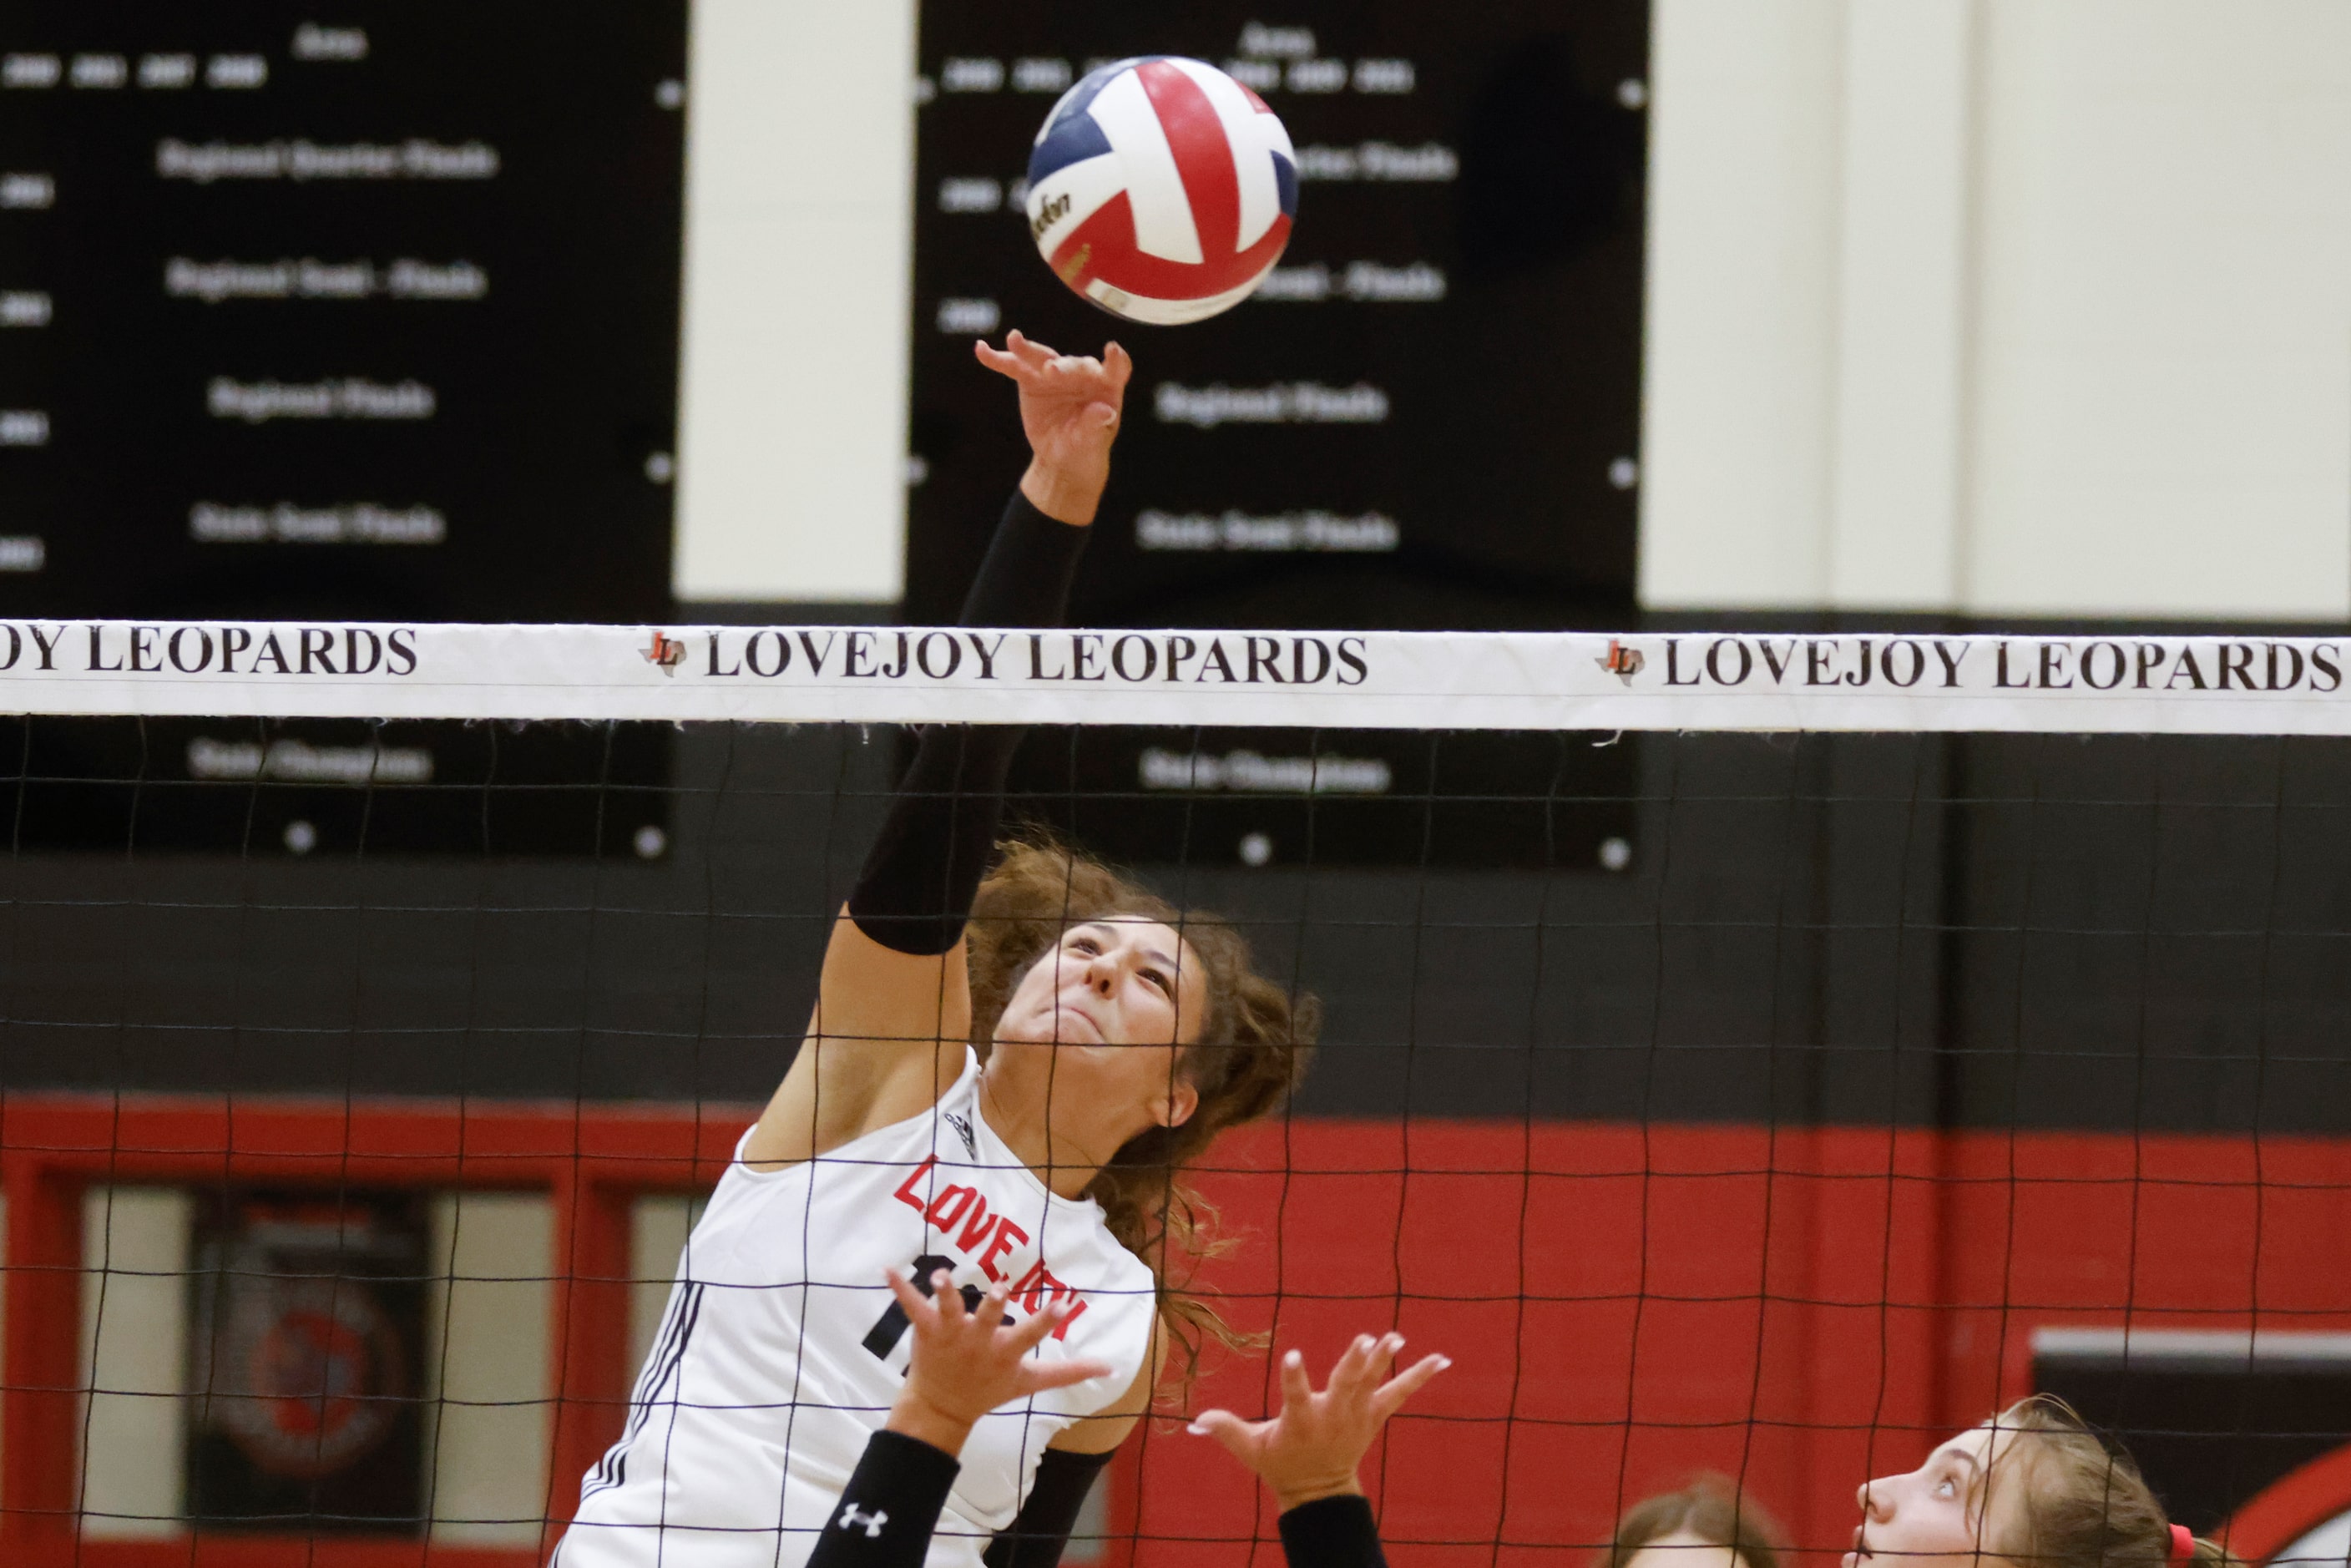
(1069, 409)
(1311, 1450)
(966, 1364)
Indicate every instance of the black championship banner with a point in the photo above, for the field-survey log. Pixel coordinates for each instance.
(306, 1363)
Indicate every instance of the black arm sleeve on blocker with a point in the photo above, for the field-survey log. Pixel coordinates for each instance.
(1035, 1539)
(915, 891)
(1333, 1532)
(890, 1508)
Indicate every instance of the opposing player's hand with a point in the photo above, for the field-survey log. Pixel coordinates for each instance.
(969, 1363)
(1069, 409)
(1310, 1451)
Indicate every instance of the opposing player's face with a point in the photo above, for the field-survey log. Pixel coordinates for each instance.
(1116, 1001)
(1950, 1512)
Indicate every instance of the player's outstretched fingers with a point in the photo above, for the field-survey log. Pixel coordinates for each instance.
(988, 1313)
(918, 1308)
(1002, 363)
(1238, 1437)
(1032, 1332)
(1355, 1369)
(1405, 1384)
(1034, 355)
(1297, 1388)
(945, 1300)
(1062, 1374)
(1116, 362)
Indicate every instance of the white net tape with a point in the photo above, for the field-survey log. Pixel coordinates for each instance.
(1365, 680)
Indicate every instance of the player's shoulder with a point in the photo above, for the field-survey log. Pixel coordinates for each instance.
(1138, 1351)
(1121, 1296)
(1127, 1272)
(1107, 1263)
(883, 1154)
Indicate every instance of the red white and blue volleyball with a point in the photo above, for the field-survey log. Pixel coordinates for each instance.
(1161, 189)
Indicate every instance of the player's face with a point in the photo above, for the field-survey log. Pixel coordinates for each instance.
(1950, 1513)
(1116, 1001)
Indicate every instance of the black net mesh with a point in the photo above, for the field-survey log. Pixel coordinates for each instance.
(1769, 1106)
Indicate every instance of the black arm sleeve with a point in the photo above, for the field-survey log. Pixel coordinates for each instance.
(1035, 1539)
(915, 891)
(890, 1507)
(1333, 1532)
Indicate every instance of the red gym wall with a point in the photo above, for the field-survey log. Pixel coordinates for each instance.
(1803, 1308)
(1624, 1306)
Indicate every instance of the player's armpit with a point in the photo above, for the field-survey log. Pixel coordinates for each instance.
(1037, 1538)
(887, 1038)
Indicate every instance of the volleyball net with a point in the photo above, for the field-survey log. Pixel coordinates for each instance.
(1745, 1054)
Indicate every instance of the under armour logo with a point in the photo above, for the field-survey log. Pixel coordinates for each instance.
(1622, 662)
(850, 1517)
(665, 653)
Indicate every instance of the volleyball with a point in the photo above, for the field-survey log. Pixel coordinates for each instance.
(1162, 190)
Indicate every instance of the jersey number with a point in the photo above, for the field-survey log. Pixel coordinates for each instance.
(891, 1326)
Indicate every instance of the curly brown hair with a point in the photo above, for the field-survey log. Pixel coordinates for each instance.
(2084, 1504)
(1253, 1048)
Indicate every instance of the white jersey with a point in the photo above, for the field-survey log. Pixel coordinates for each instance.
(782, 1350)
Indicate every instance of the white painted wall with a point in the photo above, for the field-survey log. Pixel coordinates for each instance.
(134, 1343)
(659, 1224)
(792, 417)
(488, 1367)
(2031, 307)
(2163, 396)
(1899, 330)
(1737, 389)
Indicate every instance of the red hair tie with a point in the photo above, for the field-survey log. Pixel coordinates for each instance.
(2183, 1545)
